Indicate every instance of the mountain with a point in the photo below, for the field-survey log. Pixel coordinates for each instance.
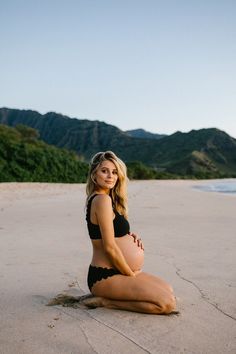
(81, 135)
(204, 153)
(143, 134)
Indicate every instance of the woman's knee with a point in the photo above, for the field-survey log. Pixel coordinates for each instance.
(169, 288)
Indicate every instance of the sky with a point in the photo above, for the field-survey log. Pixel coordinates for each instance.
(163, 66)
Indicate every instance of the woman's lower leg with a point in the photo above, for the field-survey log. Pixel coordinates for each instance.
(135, 306)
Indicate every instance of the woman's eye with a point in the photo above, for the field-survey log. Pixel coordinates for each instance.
(114, 172)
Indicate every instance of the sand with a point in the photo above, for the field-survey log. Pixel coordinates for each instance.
(189, 237)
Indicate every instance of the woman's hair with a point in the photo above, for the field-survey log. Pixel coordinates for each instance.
(119, 192)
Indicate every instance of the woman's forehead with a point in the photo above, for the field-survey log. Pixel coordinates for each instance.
(108, 164)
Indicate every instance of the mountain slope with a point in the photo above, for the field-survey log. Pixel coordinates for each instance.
(23, 158)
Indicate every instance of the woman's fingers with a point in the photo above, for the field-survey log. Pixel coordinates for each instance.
(137, 239)
(134, 236)
(140, 244)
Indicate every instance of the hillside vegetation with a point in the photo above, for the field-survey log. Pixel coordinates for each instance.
(24, 158)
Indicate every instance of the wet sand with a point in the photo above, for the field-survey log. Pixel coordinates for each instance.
(190, 240)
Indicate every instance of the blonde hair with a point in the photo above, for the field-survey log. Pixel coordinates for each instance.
(119, 192)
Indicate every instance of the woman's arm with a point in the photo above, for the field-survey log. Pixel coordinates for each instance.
(104, 214)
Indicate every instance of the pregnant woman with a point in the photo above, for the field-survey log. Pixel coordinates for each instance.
(115, 276)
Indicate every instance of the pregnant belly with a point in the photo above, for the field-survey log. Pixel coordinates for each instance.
(133, 254)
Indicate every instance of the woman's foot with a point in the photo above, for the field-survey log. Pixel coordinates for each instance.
(93, 302)
(68, 300)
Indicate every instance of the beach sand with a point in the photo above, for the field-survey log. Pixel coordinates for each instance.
(189, 237)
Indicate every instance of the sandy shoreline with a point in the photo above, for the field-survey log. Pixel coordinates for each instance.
(189, 238)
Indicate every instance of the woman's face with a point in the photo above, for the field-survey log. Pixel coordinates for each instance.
(106, 176)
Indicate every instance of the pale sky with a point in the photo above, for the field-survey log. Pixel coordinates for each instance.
(158, 65)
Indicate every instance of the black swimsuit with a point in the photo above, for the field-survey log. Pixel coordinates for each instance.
(121, 228)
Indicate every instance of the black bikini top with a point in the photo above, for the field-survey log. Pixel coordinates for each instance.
(121, 225)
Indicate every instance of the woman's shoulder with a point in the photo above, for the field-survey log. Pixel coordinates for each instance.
(100, 204)
(100, 199)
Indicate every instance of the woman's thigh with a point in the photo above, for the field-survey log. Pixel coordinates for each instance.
(139, 288)
(161, 282)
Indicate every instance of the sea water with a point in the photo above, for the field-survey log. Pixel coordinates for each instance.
(223, 186)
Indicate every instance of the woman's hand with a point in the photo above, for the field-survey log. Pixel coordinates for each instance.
(137, 239)
(135, 272)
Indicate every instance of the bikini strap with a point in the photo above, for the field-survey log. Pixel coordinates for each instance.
(89, 207)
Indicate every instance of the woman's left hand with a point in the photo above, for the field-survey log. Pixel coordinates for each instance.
(137, 239)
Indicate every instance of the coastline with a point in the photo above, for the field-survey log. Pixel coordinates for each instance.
(189, 238)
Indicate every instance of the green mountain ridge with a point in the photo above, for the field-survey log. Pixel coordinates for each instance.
(204, 153)
(143, 134)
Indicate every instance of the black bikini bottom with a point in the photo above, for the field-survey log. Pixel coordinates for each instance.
(98, 273)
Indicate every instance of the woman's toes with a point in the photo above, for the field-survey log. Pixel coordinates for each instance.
(68, 300)
(62, 299)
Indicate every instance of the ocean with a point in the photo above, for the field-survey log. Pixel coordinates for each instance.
(224, 186)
